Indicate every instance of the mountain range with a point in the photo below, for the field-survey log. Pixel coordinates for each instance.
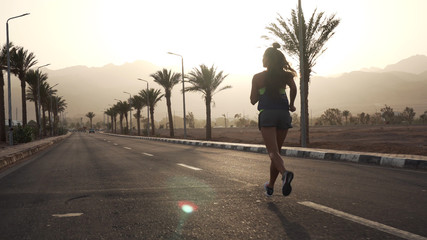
(399, 85)
(94, 89)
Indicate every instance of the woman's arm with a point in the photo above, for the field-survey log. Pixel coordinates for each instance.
(293, 94)
(254, 91)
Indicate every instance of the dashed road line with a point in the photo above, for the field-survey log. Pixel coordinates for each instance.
(115, 144)
(128, 148)
(190, 167)
(363, 221)
(147, 154)
(67, 215)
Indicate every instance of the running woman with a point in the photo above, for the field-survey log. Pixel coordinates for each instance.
(274, 119)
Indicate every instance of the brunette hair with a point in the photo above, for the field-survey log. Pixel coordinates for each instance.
(278, 70)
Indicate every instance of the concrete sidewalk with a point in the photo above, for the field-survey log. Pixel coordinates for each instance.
(12, 154)
(392, 160)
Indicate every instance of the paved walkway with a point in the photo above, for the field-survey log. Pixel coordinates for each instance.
(12, 154)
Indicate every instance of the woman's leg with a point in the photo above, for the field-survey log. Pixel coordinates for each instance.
(271, 138)
(280, 138)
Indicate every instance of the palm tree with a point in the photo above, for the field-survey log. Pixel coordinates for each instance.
(115, 111)
(138, 103)
(110, 113)
(346, 114)
(123, 108)
(316, 33)
(206, 80)
(167, 80)
(3, 66)
(90, 115)
(154, 96)
(22, 61)
(190, 119)
(59, 105)
(120, 112)
(46, 93)
(33, 78)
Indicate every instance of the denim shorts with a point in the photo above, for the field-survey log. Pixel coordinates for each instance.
(278, 118)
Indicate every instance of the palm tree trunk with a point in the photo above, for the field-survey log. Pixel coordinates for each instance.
(152, 120)
(44, 122)
(115, 124)
(208, 118)
(55, 123)
(168, 103)
(50, 119)
(2, 110)
(112, 123)
(138, 119)
(121, 124)
(37, 114)
(127, 124)
(24, 104)
(307, 73)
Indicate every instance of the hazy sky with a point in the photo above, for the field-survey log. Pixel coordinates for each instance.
(372, 33)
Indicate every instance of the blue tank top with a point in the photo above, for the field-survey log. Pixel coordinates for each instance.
(266, 102)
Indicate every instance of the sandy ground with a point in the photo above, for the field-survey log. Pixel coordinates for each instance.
(404, 139)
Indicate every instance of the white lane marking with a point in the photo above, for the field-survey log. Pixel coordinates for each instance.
(363, 221)
(109, 141)
(190, 167)
(115, 144)
(147, 154)
(67, 215)
(128, 148)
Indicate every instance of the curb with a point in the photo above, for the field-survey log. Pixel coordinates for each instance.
(320, 154)
(10, 159)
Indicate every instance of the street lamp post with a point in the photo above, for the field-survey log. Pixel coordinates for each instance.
(183, 92)
(8, 78)
(130, 112)
(148, 108)
(38, 96)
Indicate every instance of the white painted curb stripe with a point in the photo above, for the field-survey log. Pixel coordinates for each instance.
(395, 162)
(190, 167)
(366, 222)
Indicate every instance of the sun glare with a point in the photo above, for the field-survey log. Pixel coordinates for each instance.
(187, 206)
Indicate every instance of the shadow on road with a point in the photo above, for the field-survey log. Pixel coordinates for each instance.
(293, 230)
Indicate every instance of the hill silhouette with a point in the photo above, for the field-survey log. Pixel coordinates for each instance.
(369, 91)
(94, 89)
(416, 64)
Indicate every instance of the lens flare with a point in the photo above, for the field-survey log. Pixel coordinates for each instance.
(187, 206)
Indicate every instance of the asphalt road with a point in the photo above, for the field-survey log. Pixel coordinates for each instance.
(92, 186)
